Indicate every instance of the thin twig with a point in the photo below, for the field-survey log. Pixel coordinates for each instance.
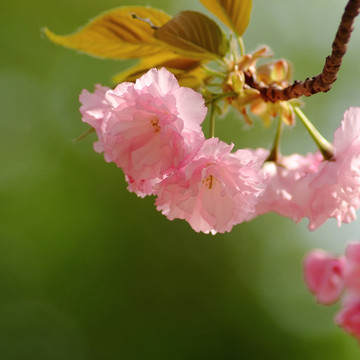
(323, 81)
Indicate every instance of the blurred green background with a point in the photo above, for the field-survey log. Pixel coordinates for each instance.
(90, 271)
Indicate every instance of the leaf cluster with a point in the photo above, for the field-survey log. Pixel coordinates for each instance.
(182, 44)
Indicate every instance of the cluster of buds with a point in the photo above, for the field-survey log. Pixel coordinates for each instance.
(243, 73)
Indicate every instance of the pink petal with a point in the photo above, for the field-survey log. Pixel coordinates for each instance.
(323, 275)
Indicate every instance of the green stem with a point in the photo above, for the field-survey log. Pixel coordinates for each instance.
(212, 120)
(214, 73)
(84, 135)
(241, 45)
(275, 151)
(220, 96)
(221, 63)
(324, 146)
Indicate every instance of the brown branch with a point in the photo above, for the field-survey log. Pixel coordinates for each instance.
(323, 81)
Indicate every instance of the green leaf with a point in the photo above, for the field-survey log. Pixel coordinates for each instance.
(233, 13)
(194, 35)
(116, 34)
(189, 72)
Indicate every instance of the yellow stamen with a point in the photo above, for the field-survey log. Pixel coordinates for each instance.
(155, 124)
(209, 181)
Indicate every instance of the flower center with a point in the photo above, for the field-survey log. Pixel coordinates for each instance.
(155, 124)
(209, 181)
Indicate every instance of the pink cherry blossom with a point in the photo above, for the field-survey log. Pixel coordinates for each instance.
(215, 191)
(336, 187)
(349, 316)
(287, 192)
(323, 275)
(153, 127)
(328, 276)
(95, 110)
(352, 268)
(311, 187)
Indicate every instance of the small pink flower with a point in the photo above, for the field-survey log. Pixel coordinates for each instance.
(323, 275)
(352, 268)
(152, 127)
(287, 192)
(217, 190)
(327, 277)
(349, 316)
(336, 187)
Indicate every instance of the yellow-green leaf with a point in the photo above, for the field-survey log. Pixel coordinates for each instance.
(194, 35)
(193, 78)
(155, 61)
(116, 34)
(188, 71)
(233, 13)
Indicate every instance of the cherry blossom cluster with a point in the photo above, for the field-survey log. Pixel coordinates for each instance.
(328, 277)
(152, 130)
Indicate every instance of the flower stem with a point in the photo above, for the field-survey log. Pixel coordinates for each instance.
(212, 120)
(241, 45)
(214, 73)
(275, 151)
(218, 97)
(84, 135)
(324, 146)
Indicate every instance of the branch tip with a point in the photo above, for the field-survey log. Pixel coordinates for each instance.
(323, 81)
